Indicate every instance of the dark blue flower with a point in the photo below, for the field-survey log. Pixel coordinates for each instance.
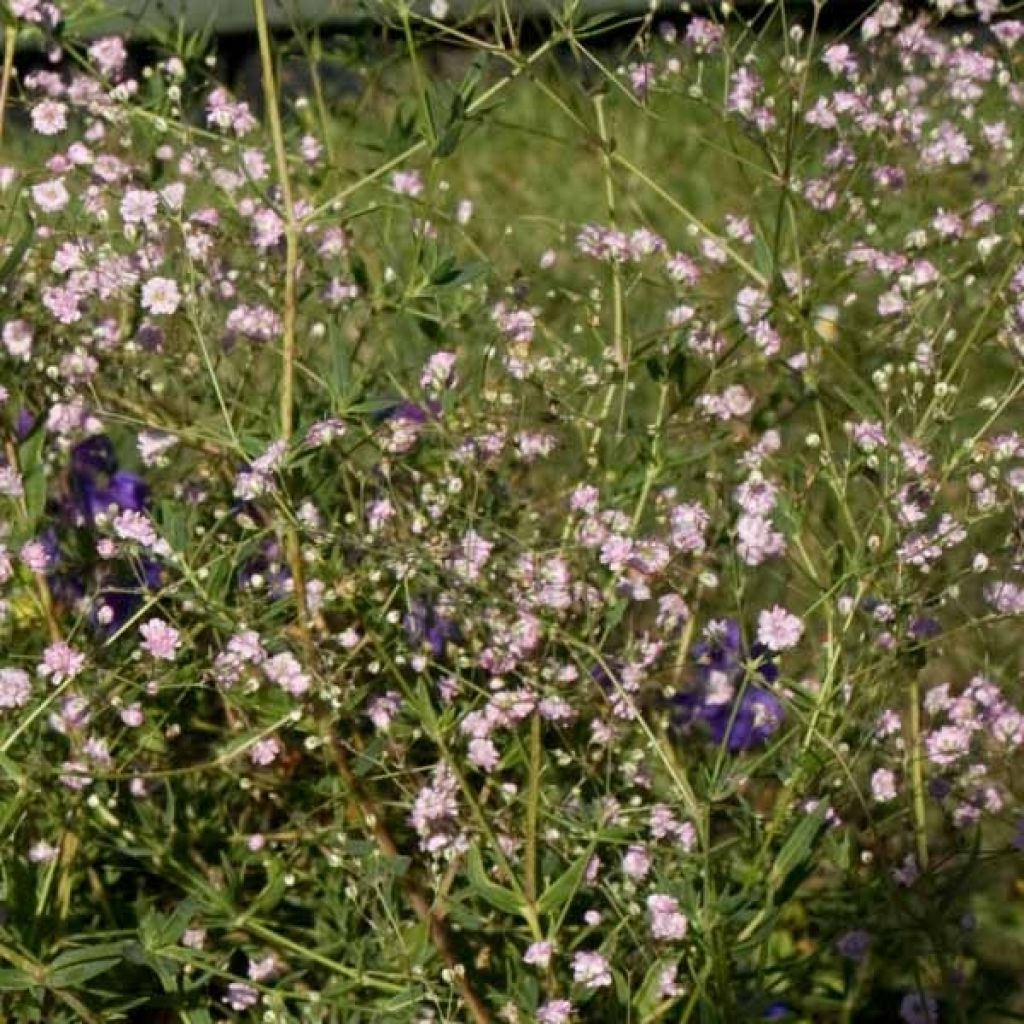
(93, 457)
(924, 628)
(1018, 840)
(425, 626)
(96, 483)
(727, 699)
(24, 424)
(854, 945)
(411, 411)
(919, 1009)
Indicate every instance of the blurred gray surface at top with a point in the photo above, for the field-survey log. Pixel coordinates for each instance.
(238, 15)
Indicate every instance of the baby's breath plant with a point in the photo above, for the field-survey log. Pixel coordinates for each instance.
(501, 525)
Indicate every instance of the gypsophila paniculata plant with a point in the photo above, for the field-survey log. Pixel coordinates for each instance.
(534, 537)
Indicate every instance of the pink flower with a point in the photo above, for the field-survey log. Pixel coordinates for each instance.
(160, 639)
(61, 662)
(264, 968)
(49, 117)
(407, 183)
(50, 196)
(42, 852)
(778, 630)
(883, 786)
(637, 862)
(667, 921)
(110, 55)
(34, 556)
(264, 752)
(554, 1011)
(538, 954)
(15, 688)
(17, 339)
(139, 206)
(160, 295)
(591, 970)
(241, 996)
(286, 672)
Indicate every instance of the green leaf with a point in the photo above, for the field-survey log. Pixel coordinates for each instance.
(11, 769)
(449, 140)
(13, 980)
(449, 275)
(172, 524)
(444, 272)
(497, 896)
(271, 894)
(797, 848)
(424, 708)
(158, 931)
(559, 894)
(79, 965)
(648, 995)
(16, 255)
(30, 460)
(341, 362)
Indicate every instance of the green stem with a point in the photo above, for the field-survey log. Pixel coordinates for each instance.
(417, 76)
(289, 314)
(618, 311)
(533, 810)
(287, 393)
(917, 772)
(10, 38)
(308, 953)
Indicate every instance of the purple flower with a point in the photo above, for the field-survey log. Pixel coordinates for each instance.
(854, 945)
(96, 483)
(93, 457)
(919, 1009)
(924, 628)
(425, 626)
(726, 700)
(1018, 840)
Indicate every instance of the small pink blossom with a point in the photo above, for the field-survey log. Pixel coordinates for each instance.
(15, 688)
(667, 921)
(160, 296)
(61, 662)
(538, 954)
(778, 630)
(591, 970)
(160, 639)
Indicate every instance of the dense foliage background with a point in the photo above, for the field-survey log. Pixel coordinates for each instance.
(513, 523)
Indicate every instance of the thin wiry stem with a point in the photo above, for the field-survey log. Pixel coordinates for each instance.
(10, 38)
(286, 393)
(916, 755)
